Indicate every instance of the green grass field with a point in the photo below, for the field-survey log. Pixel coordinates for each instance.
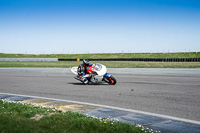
(109, 64)
(21, 118)
(105, 55)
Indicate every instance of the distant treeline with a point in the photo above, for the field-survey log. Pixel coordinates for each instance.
(143, 59)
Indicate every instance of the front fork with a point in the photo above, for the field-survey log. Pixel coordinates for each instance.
(106, 76)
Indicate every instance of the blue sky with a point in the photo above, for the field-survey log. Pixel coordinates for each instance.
(99, 26)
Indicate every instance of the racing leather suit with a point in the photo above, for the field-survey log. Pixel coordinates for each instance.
(82, 71)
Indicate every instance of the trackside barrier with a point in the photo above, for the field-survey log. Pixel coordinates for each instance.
(28, 59)
(113, 59)
(143, 59)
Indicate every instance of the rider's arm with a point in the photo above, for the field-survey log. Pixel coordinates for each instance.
(81, 69)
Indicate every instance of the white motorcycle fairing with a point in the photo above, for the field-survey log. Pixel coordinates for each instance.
(74, 70)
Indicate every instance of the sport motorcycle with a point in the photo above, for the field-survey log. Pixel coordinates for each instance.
(95, 74)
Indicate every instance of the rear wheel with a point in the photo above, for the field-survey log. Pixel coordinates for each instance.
(111, 80)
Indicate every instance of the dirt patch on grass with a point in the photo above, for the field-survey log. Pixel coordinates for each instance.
(37, 117)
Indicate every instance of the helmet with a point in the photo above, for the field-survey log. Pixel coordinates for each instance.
(86, 61)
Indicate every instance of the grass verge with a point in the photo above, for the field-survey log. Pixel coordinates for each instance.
(106, 55)
(20, 118)
(109, 64)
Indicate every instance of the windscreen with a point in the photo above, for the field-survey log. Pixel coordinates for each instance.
(98, 67)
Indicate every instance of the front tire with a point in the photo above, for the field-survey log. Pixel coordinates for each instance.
(111, 80)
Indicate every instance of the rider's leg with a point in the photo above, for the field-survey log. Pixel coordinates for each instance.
(84, 80)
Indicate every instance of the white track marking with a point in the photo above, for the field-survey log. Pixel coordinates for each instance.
(117, 108)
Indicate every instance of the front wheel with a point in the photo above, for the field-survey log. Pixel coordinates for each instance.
(111, 80)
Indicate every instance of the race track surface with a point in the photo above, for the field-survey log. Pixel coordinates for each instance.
(172, 92)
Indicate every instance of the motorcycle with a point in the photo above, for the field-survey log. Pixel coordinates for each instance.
(95, 74)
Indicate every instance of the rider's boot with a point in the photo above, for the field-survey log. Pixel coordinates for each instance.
(85, 81)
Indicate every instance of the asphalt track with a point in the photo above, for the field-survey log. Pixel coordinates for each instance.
(170, 92)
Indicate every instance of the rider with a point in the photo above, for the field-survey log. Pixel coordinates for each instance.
(82, 70)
